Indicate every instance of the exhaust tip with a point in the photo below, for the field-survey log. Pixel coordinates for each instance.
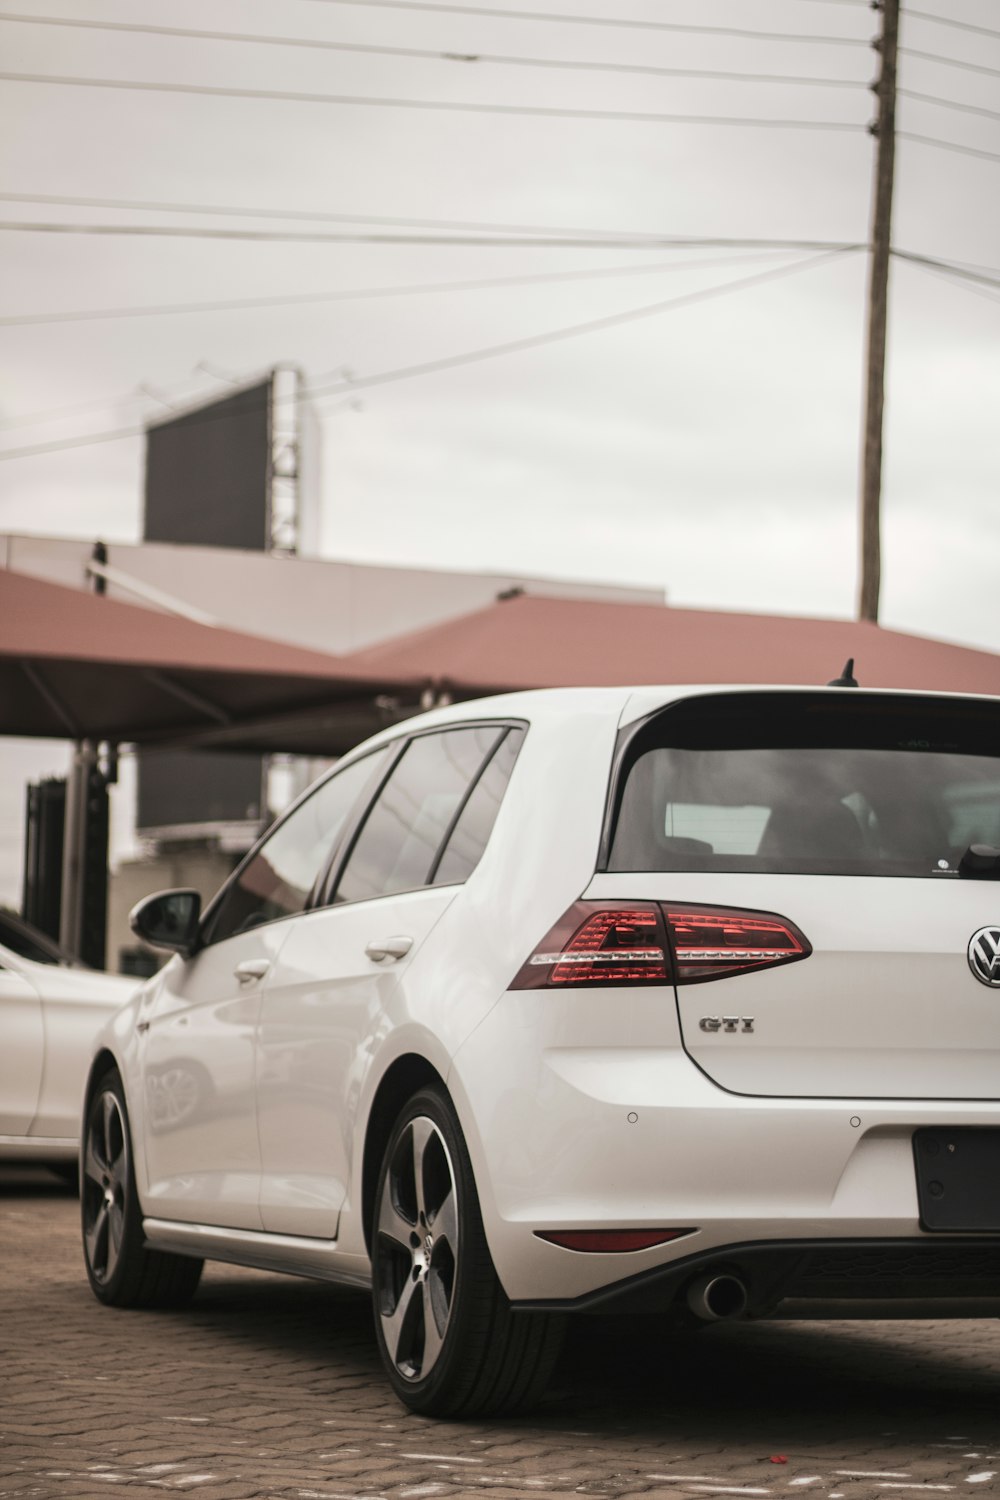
(716, 1296)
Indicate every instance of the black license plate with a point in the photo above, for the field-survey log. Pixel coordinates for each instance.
(958, 1178)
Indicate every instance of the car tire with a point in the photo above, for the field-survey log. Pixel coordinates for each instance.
(449, 1341)
(122, 1270)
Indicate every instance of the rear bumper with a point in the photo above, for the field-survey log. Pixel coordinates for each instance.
(584, 1112)
(960, 1276)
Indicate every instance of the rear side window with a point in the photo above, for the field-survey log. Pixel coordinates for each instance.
(471, 832)
(808, 784)
(398, 845)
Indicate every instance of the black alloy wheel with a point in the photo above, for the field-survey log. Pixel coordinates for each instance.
(122, 1270)
(450, 1344)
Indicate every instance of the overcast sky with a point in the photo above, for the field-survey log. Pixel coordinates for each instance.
(711, 448)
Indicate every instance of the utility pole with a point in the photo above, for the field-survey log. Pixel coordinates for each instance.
(884, 130)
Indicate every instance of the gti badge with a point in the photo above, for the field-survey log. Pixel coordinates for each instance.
(734, 1023)
(984, 955)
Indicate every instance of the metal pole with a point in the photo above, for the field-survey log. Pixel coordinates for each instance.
(74, 838)
(884, 130)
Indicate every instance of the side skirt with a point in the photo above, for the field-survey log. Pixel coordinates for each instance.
(295, 1256)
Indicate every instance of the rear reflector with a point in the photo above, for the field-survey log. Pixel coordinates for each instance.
(610, 1241)
(646, 942)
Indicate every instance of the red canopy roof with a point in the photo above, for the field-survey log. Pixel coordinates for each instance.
(528, 642)
(76, 665)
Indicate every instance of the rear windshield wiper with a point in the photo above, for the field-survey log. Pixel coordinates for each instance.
(980, 862)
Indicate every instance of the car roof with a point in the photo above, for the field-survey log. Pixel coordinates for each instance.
(627, 703)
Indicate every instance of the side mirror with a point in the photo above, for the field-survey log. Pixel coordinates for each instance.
(168, 920)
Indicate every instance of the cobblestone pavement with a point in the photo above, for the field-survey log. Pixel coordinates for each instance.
(269, 1387)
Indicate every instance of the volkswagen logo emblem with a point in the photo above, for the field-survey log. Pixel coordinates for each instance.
(984, 955)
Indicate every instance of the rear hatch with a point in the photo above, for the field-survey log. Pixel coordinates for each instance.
(807, 855)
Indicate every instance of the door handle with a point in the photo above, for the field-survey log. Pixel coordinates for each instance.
(390, 947)
(251, 969)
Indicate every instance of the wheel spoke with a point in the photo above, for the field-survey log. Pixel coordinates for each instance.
(393, 1323)
(433, 1332)
(109, 1113)
(116, 1232)
(393, 1224)
(422, 1133)
(118, 1170)
(96, 1233)
(93, 1166)
(445, 1222)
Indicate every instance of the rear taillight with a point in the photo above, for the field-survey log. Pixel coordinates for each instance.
(646, 942)
(600, 942)
(710, 942)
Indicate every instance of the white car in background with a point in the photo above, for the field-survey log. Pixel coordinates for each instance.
(679, 1001)
(50, 1009)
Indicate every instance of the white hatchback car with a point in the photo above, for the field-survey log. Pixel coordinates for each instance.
(584, 1000)
(50, 1010)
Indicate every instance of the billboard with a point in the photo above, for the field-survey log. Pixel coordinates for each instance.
(208, 473)
(189, 794)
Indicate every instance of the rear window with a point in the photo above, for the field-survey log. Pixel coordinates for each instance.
(808, 784)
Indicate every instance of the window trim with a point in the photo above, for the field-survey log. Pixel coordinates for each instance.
(342, 854)
(325, 888)
(460, 809)
(205, 939)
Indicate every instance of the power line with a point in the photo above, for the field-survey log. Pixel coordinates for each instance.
(140, 393)
(432, 54)
(493, 351)
(448, 105)
(965, 265)
(986, 276)
(616, 21)
(969, 109)
(55, 413)
(364, 293)
(87, 441)
(926, 15)
(131, 397)
(611, 238)
(596, 236)
(932, 140)
(960, 272)
(553, 242)
(577, 330)
(949, 62)
(944, 273)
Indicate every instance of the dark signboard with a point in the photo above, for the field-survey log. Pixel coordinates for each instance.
(208, 474)
(180, 791)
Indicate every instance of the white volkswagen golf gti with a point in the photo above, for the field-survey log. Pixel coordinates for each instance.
(662, 1000)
